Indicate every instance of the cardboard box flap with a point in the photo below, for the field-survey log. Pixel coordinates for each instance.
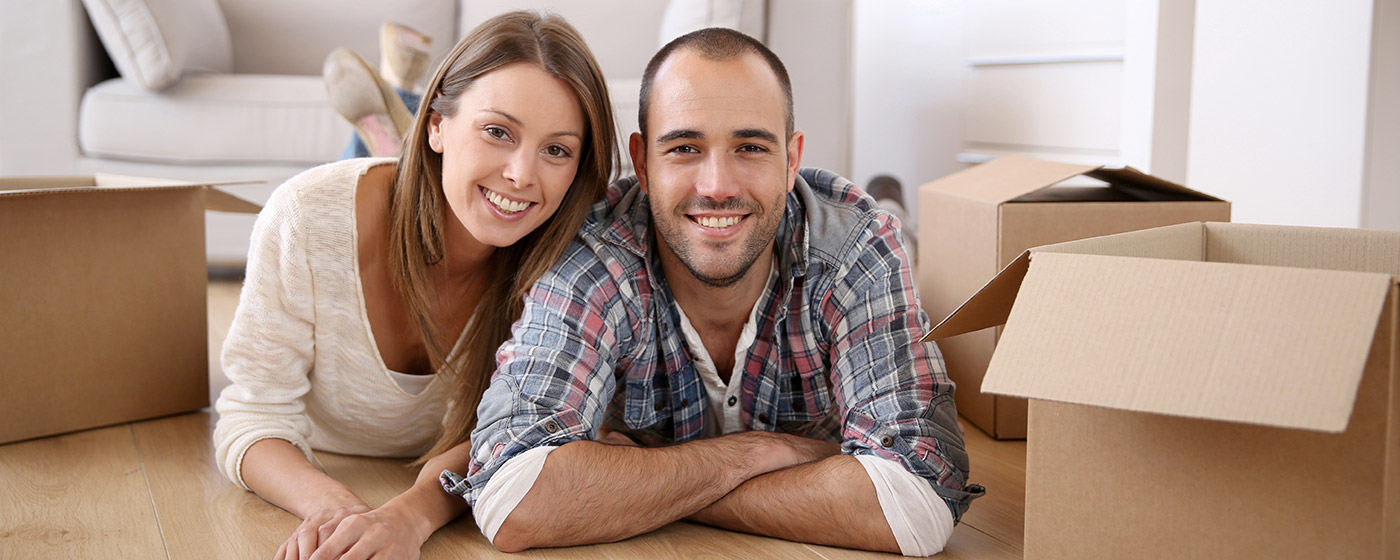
(1131, 179)
(992, 303)
(1177, 242)
(215, 198)
(1006, 178)
(219, 200)
(1239, 343)
(1361, 250)
(988, 307)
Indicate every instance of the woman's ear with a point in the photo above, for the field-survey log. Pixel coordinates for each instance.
(435, 131)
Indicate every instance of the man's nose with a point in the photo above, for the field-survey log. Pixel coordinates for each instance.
(717, 179)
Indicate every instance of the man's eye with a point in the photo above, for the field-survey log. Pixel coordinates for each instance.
(687, 149)
(752, 148)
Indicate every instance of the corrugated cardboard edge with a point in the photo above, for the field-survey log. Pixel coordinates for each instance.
(216, 197)
(1006, 178)
(992, 303)
(989, 307)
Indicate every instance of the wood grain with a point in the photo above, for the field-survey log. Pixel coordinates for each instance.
(202, 514)
(967, 543)
(82, 495)
(1001, 467)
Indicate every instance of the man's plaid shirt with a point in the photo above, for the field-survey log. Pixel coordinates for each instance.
(837, 355)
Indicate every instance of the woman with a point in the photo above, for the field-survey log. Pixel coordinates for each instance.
(378, 290)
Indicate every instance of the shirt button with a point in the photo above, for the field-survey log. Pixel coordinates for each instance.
(551, 427)
(659, 406)
(763, 418)
(887, 441)
(798, 406)
(733, 401)
(685, 403)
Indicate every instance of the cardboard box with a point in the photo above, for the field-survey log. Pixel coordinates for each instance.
(102, 301)
(974, 222)
(1204, 391)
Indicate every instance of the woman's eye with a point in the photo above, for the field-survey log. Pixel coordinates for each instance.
(496, 132)
(556, 151)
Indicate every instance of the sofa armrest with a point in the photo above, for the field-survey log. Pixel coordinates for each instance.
(49, 56)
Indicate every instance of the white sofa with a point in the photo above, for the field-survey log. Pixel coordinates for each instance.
(265, 116)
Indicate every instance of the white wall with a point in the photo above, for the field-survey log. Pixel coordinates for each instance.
(1279, 108)
(908, 114)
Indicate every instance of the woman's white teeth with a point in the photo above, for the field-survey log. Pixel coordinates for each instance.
(721, 223)
(506, 204)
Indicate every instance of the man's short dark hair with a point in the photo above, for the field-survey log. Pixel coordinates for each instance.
(718, 44)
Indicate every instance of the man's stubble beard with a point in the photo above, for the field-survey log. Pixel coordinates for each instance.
(764, 234)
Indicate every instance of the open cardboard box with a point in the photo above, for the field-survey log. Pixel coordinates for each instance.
(974, 222)
(103, 288)
(1204, 391)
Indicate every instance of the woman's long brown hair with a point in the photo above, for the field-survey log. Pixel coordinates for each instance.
(418, 207)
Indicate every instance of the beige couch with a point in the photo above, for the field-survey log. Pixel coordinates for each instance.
(261, 112)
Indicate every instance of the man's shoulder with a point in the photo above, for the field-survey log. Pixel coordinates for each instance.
(838, 213)
(608, 247)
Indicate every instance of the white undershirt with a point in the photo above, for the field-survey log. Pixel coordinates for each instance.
(918, 517)
(411, 384)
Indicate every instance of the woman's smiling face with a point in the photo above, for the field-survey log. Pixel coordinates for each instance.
(510, 152)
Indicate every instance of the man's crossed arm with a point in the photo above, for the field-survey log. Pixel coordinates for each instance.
(758, 482)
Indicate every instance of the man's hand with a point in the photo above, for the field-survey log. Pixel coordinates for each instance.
(787, 450)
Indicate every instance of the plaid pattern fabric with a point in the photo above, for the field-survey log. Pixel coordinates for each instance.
(837, 355)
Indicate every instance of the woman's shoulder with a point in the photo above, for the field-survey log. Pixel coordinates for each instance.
(338, 177)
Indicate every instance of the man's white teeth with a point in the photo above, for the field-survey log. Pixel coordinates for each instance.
(719, 223)
(506, 204)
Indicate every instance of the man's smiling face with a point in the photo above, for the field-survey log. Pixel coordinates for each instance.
(716, 166)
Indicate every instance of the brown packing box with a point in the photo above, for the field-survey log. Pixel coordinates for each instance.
(102, 301)
(1204, 391)
(972, 224)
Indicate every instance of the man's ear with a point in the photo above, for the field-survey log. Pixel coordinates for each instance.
(637, 147)
(435, 131)
(794, 153)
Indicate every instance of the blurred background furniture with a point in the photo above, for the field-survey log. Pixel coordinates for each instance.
(246, 102)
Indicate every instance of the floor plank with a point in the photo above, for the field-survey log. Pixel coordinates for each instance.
(81, 495)
(202, 514)
(982, 446)
(967, 544)
(1001, 513)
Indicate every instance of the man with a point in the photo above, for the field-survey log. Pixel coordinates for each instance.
(736, 317)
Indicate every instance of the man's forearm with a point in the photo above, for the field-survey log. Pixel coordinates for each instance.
(830, 502)
(589, 492)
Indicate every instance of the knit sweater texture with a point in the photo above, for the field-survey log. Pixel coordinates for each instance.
(300, 354)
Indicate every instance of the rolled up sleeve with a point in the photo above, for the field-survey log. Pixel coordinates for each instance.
(892, 390)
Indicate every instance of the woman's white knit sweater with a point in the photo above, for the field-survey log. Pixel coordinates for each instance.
(300, 353)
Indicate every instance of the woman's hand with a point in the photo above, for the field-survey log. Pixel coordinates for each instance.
(380, 533)
(318, 527)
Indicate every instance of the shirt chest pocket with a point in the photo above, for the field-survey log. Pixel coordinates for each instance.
(804, 407)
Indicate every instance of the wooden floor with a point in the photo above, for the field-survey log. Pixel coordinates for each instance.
(151, 490)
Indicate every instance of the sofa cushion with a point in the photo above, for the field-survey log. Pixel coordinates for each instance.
(153, 42)
(214, 118)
